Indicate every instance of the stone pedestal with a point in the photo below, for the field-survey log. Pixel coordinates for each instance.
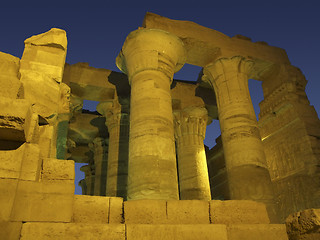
(246, 166)
(190, 128)
(150, 57)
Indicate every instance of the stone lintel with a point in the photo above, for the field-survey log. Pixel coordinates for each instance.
(213, 44)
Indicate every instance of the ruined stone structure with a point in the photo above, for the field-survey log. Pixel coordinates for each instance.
(148, 173)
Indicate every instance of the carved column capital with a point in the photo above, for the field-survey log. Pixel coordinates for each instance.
(190, 121)
(226, 68)
(111, 110)
(151, 49)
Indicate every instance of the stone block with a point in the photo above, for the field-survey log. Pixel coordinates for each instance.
(45, 134)
(31, 127)
(12, 118)
(10, 230)
(257, 231)
(72, 231)
(22, 163)
(43, 201)
(42, 91)
(90, 209)
(145, 211)
(116, 210)
(10, 163)
(10, 84)
(238, 212)
(8, 188)
(176, 232)
(55, 169)
(188, 212)
(304, 225)
(31, 162)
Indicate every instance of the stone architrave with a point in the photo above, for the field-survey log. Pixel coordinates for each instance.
(118, 127)
(190, 128)
(150, 57)
(246, 166)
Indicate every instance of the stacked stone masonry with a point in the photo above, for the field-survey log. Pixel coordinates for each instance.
(148, 174)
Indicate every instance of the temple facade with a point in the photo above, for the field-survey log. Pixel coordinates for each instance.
(148, 174)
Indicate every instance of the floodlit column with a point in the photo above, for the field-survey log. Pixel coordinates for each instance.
(246, 166)
(150, 57)
(100, 162)
(190, 129)
(117, 121)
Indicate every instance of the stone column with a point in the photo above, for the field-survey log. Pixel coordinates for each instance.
(150, 57)
(118, 127)
(82, 183)
(246, 166)
(89, 178)
(100, 162)
(190, 128)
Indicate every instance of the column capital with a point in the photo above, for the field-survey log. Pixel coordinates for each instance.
(111, 110)
(190, 121)
(151, 49)
(225, 67)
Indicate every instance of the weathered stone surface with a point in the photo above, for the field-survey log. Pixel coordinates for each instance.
(22, 163)
(10, 84)
(43, 201)
(30, 162)
(55, 169)
(72, 231)
(116, 210)
(188, 212)
(176, 232)
(91, 209)
(304, 225)
(10, 230)
(257, 231)
(45, 97)
(145, 212)
(238, 212)
(8, 189)
(13, 114)
(45, 141)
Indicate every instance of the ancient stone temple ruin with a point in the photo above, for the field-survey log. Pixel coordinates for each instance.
(148, 173)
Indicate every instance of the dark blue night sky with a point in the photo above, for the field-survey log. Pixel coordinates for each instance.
(96, 34)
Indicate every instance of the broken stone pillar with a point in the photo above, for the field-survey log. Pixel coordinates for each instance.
(100, 158)
(89, 178)
(117, 121)
(190, 128)
(83, 185)
(150, 57)
(290, 132)
(40, 73)
(246, 166)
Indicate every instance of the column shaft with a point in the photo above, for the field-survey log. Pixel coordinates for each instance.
(118, 127)
(247, 171)
(150, 57)
(192, 164)
(100, 163)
